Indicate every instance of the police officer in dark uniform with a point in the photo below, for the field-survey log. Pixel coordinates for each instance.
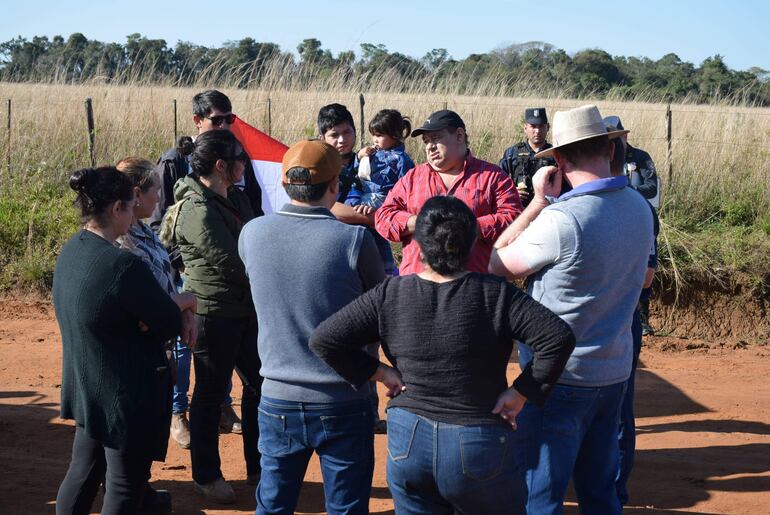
(519, 160)
(640, 170)
(639, 167)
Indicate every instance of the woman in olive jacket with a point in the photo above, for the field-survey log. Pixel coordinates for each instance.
(209, 221)
(113, 317)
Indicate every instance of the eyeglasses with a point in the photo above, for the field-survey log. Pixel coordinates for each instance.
(218, 120)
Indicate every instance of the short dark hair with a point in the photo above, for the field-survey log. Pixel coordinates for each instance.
(304, 192)
(212, 146)
(389, 122)
(446, 230)
(98, 188)
(333, 114)
(206, 101)
(580, 151)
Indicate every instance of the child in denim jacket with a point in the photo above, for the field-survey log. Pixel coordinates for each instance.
(381, 165)
(384, 162)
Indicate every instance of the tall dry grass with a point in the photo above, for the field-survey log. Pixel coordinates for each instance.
(718, 189)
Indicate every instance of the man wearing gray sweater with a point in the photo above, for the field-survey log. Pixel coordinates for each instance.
(585, 254)
(304, 265)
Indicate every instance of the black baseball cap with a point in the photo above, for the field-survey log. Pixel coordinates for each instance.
(443, 119)
(535, 116)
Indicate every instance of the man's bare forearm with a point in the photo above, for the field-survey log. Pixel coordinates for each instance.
(347, 214)
(521, 222)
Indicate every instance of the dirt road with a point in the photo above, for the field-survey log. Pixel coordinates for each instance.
(703, 420)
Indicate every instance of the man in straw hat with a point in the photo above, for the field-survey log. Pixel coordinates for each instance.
(303, 266)
(585, 254)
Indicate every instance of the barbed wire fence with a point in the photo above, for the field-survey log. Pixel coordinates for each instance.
(490, 138)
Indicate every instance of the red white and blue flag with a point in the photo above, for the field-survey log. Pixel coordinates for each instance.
(266, 154)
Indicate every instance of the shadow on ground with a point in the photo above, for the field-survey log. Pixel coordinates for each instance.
(35, 451)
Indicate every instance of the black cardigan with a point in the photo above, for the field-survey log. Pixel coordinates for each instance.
(110, 368)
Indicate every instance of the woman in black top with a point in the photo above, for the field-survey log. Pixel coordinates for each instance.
(449, 334)
(113, 316)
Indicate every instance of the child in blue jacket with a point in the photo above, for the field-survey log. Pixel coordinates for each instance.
(381, 165)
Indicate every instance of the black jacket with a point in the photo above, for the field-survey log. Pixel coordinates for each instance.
(640, 161)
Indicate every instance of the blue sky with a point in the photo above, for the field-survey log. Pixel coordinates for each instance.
(692, 29)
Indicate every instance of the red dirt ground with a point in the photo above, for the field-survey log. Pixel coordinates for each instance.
(703, 421)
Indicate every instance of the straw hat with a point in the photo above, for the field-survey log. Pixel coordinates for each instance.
(575, 125)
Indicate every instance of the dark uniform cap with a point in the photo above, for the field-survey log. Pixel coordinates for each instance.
(535, 116)
(322, 160)
(613, 123)
(443, 119)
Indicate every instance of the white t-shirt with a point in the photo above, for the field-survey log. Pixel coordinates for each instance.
(550, 238)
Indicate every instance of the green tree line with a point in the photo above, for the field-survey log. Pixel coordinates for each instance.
(247, 63)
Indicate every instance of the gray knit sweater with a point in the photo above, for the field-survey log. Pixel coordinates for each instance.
(303, 266)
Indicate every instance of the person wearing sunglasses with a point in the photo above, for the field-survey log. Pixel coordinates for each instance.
(211, 110)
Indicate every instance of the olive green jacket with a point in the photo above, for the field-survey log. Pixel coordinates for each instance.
(207, 233)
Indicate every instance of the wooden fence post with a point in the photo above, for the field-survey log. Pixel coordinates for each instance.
(269, 117)
(669, 154)
(8, 139)
(361, 102)
(176, 123)
(91, 130)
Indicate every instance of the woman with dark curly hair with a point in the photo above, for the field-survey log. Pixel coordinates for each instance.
(113, 316)
(449, 334)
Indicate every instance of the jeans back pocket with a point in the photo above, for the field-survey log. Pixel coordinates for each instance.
(402, 426)
(274, 440)
(484, 451)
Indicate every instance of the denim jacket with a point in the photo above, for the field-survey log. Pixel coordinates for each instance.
(386, 168)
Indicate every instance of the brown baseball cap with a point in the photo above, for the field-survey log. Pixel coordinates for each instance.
(323, 161)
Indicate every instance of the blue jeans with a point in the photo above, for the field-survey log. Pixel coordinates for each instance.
(182, 384)
(627, 428)
(341, 434)
(575, 434)
(438, 468)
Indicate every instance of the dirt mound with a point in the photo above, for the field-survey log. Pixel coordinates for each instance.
(713, 311)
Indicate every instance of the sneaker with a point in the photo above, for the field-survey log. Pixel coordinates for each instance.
(180, 430)
(218, 491)
(647, 330)
(381, 427)
(229, 421)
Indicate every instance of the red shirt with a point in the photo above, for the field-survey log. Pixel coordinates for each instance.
(486, 189)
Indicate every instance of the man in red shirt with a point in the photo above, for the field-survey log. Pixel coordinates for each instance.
(451, 170)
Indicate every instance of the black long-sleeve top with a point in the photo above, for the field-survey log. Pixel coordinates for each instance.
(450, 341)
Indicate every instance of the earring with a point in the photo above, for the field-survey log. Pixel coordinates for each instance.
(138, 204)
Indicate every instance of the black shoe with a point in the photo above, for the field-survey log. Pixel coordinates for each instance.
(155, 501)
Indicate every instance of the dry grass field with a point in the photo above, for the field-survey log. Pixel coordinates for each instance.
(715, 203)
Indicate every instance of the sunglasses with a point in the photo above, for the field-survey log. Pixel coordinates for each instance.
(218, 120)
